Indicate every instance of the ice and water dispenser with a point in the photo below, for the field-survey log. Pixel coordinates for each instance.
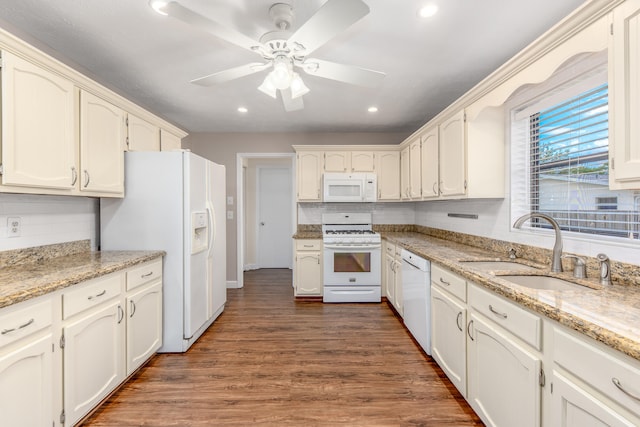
(199, 232)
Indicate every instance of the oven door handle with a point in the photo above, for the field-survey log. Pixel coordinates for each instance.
(353, 247)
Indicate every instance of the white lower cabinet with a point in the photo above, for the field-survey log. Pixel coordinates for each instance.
(573, 406)
(503, 377)
(94, 343)
(308, 268)
(144, 325)
(448, 337)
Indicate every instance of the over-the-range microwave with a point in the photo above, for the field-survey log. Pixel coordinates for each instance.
(349, 187)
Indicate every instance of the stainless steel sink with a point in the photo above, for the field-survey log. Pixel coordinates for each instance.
(544, 282)
(498, 265)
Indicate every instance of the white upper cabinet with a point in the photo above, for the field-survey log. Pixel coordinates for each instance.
(415, 170)
(169, 141)
(337, 161)
(102, 136)
(362, 161)
(430, 164)
(453, 156)
(624, 90)
(405, 177)
(38, 121)
(142, 135)
(309, 176)
(387, 168)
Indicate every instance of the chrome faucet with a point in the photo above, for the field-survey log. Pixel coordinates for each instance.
(605, 269)
(556, 261)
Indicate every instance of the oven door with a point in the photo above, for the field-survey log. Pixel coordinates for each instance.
(348, 265)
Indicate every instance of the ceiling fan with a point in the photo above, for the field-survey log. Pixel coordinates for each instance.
(282, 51)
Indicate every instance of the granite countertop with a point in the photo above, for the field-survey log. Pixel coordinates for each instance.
(610, 315)
(24, 280)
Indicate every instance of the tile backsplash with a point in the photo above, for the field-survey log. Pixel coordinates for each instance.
(46, 220)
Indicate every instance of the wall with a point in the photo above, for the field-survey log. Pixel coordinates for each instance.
(47, 220)
(383, 213)
(223, 148)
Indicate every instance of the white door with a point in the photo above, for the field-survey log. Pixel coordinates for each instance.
(274, 218)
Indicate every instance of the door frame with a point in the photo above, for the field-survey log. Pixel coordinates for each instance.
(258, 208)
(240, 193)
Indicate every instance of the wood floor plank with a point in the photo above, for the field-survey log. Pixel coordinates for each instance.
(272, 361)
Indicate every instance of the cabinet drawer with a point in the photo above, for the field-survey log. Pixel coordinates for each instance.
(390, 249)
(91, 293)
(23, 319)
(308, 245)
(598, 368)
(449, 281)
(146, 273)
(514, 319)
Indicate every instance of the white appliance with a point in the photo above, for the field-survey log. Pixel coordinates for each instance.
(416, 298)
(174, 201)
(352, 258)
(349, 187)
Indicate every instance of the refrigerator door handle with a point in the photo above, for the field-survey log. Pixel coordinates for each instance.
(212, 226)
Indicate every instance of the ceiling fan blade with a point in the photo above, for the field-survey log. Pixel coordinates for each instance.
(331, 19)
(188, 16)
(343, 73)
(291, 104)
(230, 74)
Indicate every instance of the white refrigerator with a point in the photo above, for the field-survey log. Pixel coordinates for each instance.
(175, 201)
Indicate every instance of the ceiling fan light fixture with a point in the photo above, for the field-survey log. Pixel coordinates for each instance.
(298, 88)
(158, 6)
(267, 87)
(281, 74)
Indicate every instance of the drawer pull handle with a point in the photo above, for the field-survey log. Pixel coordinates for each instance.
(24, 325)
(90, 297)
(444, 282)
(497, 313)
(146, 275)
(618, 384)
(308, 246)
(458, 317)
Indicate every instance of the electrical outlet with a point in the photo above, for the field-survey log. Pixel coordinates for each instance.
(229, 214)
(14, 226)
(230, 200)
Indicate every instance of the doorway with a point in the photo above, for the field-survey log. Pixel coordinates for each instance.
(263, 179)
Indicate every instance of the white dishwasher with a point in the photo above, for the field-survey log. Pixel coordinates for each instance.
(416, 298)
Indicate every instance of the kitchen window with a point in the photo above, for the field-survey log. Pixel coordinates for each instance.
(560, 156)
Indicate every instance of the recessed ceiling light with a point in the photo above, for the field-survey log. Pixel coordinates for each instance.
(372, 109)
(428, 10)
(242, 109)
(158, 6)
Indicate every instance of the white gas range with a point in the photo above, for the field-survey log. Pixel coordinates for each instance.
(352, 258)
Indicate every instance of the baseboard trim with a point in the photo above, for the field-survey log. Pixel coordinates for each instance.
(233, 284)
(249, 267)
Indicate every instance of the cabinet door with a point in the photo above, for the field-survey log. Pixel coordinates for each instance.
(94, 362)
(453, 157)
(624, 86)
(142, 135)
(404, 174)
(362, 161)
(448, 337)
(337, 161)
(390, 278)
(572, 406)
(430, 164)
(387, 168)
(102, 136)
(503, 385)
(309, 172)
(38, 122)
(169, 141)
(415, 170)
(144, 325)
(397, 301)
(26, 384)
(308, 273)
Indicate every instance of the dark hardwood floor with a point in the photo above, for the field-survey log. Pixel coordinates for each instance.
(269, 360)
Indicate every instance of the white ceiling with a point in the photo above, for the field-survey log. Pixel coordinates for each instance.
(150, 59)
